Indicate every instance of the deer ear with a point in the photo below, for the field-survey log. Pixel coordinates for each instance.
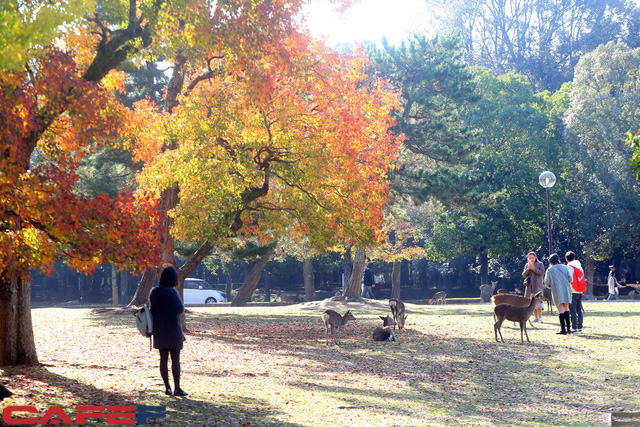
(383, 318)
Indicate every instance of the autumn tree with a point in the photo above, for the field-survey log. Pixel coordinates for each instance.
(307, 158)
(52, 116)
(28, 26)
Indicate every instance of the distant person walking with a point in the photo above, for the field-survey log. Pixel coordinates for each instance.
(559, 280)
(613, 284)
(576, 297)
(534, 272)
(368, 283)
(166, 307)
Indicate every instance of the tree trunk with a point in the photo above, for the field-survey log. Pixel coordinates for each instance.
(141, 297)
(307, 277)
(229, 286)
(115, 296)
(395, 279)
(484, 268)
(251, 280)
(347, 264)
(17, 346)
(354, 285)
(124, 285)
(169, 200)
(267, 286)
(589, 271)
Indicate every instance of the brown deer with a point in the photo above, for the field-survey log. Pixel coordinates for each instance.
(547, 296)
(510, 299)
(397, 310)
(502, 291)
(486, 291)
(385, 332)
(438, 298)
(515, 314)
(289, 299)
(334, 321)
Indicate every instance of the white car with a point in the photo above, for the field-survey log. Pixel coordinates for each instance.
(197, 291)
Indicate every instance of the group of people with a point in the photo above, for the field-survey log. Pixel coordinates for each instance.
(558, 277)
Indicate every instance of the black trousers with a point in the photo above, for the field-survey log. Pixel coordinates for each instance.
(576, 310)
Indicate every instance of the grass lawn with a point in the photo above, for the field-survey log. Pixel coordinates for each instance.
(270, 366)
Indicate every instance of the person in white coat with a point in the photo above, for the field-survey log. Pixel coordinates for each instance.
(613, 284)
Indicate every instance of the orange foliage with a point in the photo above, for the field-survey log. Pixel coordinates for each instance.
(41, 214)
(315, 130)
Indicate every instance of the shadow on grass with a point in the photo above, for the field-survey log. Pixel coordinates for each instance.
(473, 379)
(53, 389)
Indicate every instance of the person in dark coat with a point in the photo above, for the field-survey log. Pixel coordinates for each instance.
(166, 308)
(368, 283)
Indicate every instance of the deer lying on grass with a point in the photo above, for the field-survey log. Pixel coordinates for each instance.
(438, 298)
(515, 314)
(502, 291)
(289, 299)
(397, 310)
(510, 299)
(384, 332)
(334, 321)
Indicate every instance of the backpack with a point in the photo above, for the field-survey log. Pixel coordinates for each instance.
(579, 283)
(144, 322)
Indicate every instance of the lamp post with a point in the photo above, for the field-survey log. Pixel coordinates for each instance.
(547, 180)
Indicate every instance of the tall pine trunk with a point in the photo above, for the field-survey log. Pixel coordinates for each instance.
(484, 268)
(395, 279)
(17, 346)
(354, 285)
(307, 278)
(244, 294)
(115, 296)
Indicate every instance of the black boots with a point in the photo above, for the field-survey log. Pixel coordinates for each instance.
(565, 323)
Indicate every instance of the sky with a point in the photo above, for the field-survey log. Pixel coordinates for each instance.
(369, 20)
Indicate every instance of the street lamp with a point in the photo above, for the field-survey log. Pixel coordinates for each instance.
(547, 180)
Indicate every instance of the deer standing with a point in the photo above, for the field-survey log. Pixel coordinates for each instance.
(486, 291)
(515, 314)
(397, 310)
(510, 299)
(548, 297)
(385, 332)
(334, 321)
(438, 298)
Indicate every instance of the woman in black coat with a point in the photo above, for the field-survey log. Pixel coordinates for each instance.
(166, 307)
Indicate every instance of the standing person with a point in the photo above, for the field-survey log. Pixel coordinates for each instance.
(534, 271)
(576, 297)
(613, 284)
(559, 280)
(166, 308)
(368, 283)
